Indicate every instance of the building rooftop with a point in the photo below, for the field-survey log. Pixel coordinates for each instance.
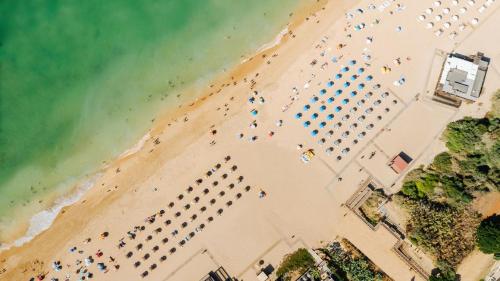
(463, 76)
(400, 162)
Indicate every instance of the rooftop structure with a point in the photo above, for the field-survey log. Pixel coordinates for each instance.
(400, 162)
(218, 275)
(462, 77)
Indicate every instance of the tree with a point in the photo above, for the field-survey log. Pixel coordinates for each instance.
(464, 136)
(488, 235)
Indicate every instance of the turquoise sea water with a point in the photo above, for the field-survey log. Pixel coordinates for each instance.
(81, 80)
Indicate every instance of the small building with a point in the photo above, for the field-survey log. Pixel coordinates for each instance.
(400, 162)
(462, 78)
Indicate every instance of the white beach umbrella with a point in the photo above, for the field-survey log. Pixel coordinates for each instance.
(430, 25)
(438, 17)
(446, 25)
(463, 10)
(421, 18)
(482, 8)
(474, 21)
(461, 27)
(438, 32)
(471, 2)
(429, 11)
(437, 3)
(454, 2)
(446, 11)
(455, 17)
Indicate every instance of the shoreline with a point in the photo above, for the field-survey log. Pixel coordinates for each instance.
(44, 219)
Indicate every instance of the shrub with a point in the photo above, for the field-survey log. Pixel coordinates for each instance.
(488, 235)
(299, 261)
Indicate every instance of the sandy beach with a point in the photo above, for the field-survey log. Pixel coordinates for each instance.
(220, 182)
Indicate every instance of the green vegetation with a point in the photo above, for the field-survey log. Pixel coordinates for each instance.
(471, 166)
(370, 208)
(438, 196)
(447, 232)
(488, 235)
(296, 263)
(348, 264)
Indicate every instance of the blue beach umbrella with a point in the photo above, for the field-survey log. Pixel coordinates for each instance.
(251, 100)
(254, 112)
(354, 77)
(361, 70)
(338, 76)
(314, 99)
(322, 108)
(369, 78)
(322, 91)
(329, 117)
(338, 108)
(352, 62)
(314, 116)
(307, 123)
(298, 115)
(361, 86)
(330, 100)
(346, 84)
(345, 101)
(330, 83)
(338, 92)
(322, 124)
(314, 133)
(335, 59)
(307, 107)
(344, 69)
(353, 93)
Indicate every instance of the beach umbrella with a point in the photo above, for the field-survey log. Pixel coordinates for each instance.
(353, 93)
(330, 116)
(329, 84)
(352, 62)
(254, 112)
(307, 107)
(421, 17)
(346, 84)
(354, 77)
(361, 70)
(338, 76)
(330, 99)
(307, 123)
(251, 100)
(322, 91)
(338, 108)
(344, 69)
(474, 21)
(345, 101)
(338, 92)
(314, 115)
(322, 108)
(298, 115)
(361, 86)
(369, 78)
(314, 99)
(314, 133)
(357, 28)
(335, 59)
(322, 124)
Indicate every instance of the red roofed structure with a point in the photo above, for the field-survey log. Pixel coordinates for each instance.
(400, 162)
